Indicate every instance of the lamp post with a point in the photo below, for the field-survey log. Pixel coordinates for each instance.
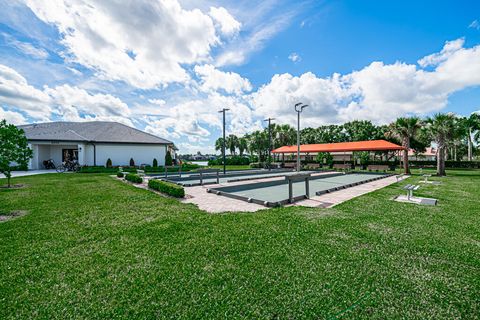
(223, 142)
(299, 108)
(269, 141)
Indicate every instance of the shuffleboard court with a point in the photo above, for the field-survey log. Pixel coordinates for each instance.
(275, 193)
(210, 178)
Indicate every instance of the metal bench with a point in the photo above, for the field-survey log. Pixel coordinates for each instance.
(410, 188)
(141, 173)
(173, 167)
(298, 177)
(289, 165)
(204, 172)
(377, 167)
(399, 176)
(342, 166)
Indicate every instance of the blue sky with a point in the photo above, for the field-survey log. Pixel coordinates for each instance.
(167, 67)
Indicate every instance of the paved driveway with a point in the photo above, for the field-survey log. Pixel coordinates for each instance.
(28, 173)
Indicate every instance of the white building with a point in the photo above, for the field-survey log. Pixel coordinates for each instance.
(93, 143)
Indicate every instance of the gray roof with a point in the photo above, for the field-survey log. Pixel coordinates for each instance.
(92, 131)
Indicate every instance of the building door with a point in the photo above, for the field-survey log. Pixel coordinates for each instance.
(70, 154)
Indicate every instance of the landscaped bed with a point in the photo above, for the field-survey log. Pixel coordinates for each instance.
(93, 247)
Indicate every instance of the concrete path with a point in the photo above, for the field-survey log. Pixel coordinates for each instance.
(332, 199)
(28, 173)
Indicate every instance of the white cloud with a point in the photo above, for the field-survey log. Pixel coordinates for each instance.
(214, 79)
(16, 92)
(378, 92)
(158, 102)
(450, 48)
(254, 40)
(294, 57)
(475, 25)
(64, 101)
(143, 43)
(226, 22)
(25, 47)
(12, 117)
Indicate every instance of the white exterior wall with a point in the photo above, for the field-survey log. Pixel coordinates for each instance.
(120, 154)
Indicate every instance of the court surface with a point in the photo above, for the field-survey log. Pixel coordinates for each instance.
(276, 192)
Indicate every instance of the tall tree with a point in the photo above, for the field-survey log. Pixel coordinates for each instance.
(405, 129)
(242, 145)
(360, 130)
(472, 125)
(219, 145)
(441, 127)
(13, 149)
(232, 143)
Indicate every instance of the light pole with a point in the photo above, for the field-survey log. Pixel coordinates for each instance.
(223, 142)
(299, 108)
(269, 141)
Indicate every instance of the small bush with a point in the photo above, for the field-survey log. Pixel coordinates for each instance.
(132, 163)
(168, 159)
(155, 163)
(133, 178)
(109, 163)
(167, 188)
(120, 174)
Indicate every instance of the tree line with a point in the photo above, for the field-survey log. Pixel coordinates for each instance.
(452, 135)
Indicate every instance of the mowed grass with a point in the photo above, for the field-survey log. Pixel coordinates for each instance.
(92, 247)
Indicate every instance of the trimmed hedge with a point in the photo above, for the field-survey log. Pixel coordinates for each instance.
(230, 161)
(102, 169)
(120, 174)
(448, 164)
(133, 178)
(167, 188)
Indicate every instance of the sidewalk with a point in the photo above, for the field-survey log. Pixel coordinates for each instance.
(28, 173)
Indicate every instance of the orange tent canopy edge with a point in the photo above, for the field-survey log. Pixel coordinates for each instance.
(370, 145)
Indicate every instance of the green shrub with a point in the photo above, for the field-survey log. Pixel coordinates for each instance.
(231, 161)
(132, 163)
(167, 188)
(109, 163)
(134, 178)
(155, 163)
(102, 169)
(168, 159)
(120, 174)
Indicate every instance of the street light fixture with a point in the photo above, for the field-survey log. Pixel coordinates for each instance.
(223, 142)
(269, 141)
(299, 108)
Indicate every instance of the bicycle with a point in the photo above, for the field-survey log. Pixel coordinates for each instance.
(68, 166)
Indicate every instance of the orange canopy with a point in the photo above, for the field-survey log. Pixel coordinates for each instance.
(372, 145)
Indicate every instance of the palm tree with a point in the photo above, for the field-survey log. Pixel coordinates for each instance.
(286, 135)
(219, 145)
(242, 145)
(258, 142)
(405, 129)
(232, 142)
(441, 127)
(472, 124)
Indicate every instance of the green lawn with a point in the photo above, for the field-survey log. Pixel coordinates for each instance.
(93, 247)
